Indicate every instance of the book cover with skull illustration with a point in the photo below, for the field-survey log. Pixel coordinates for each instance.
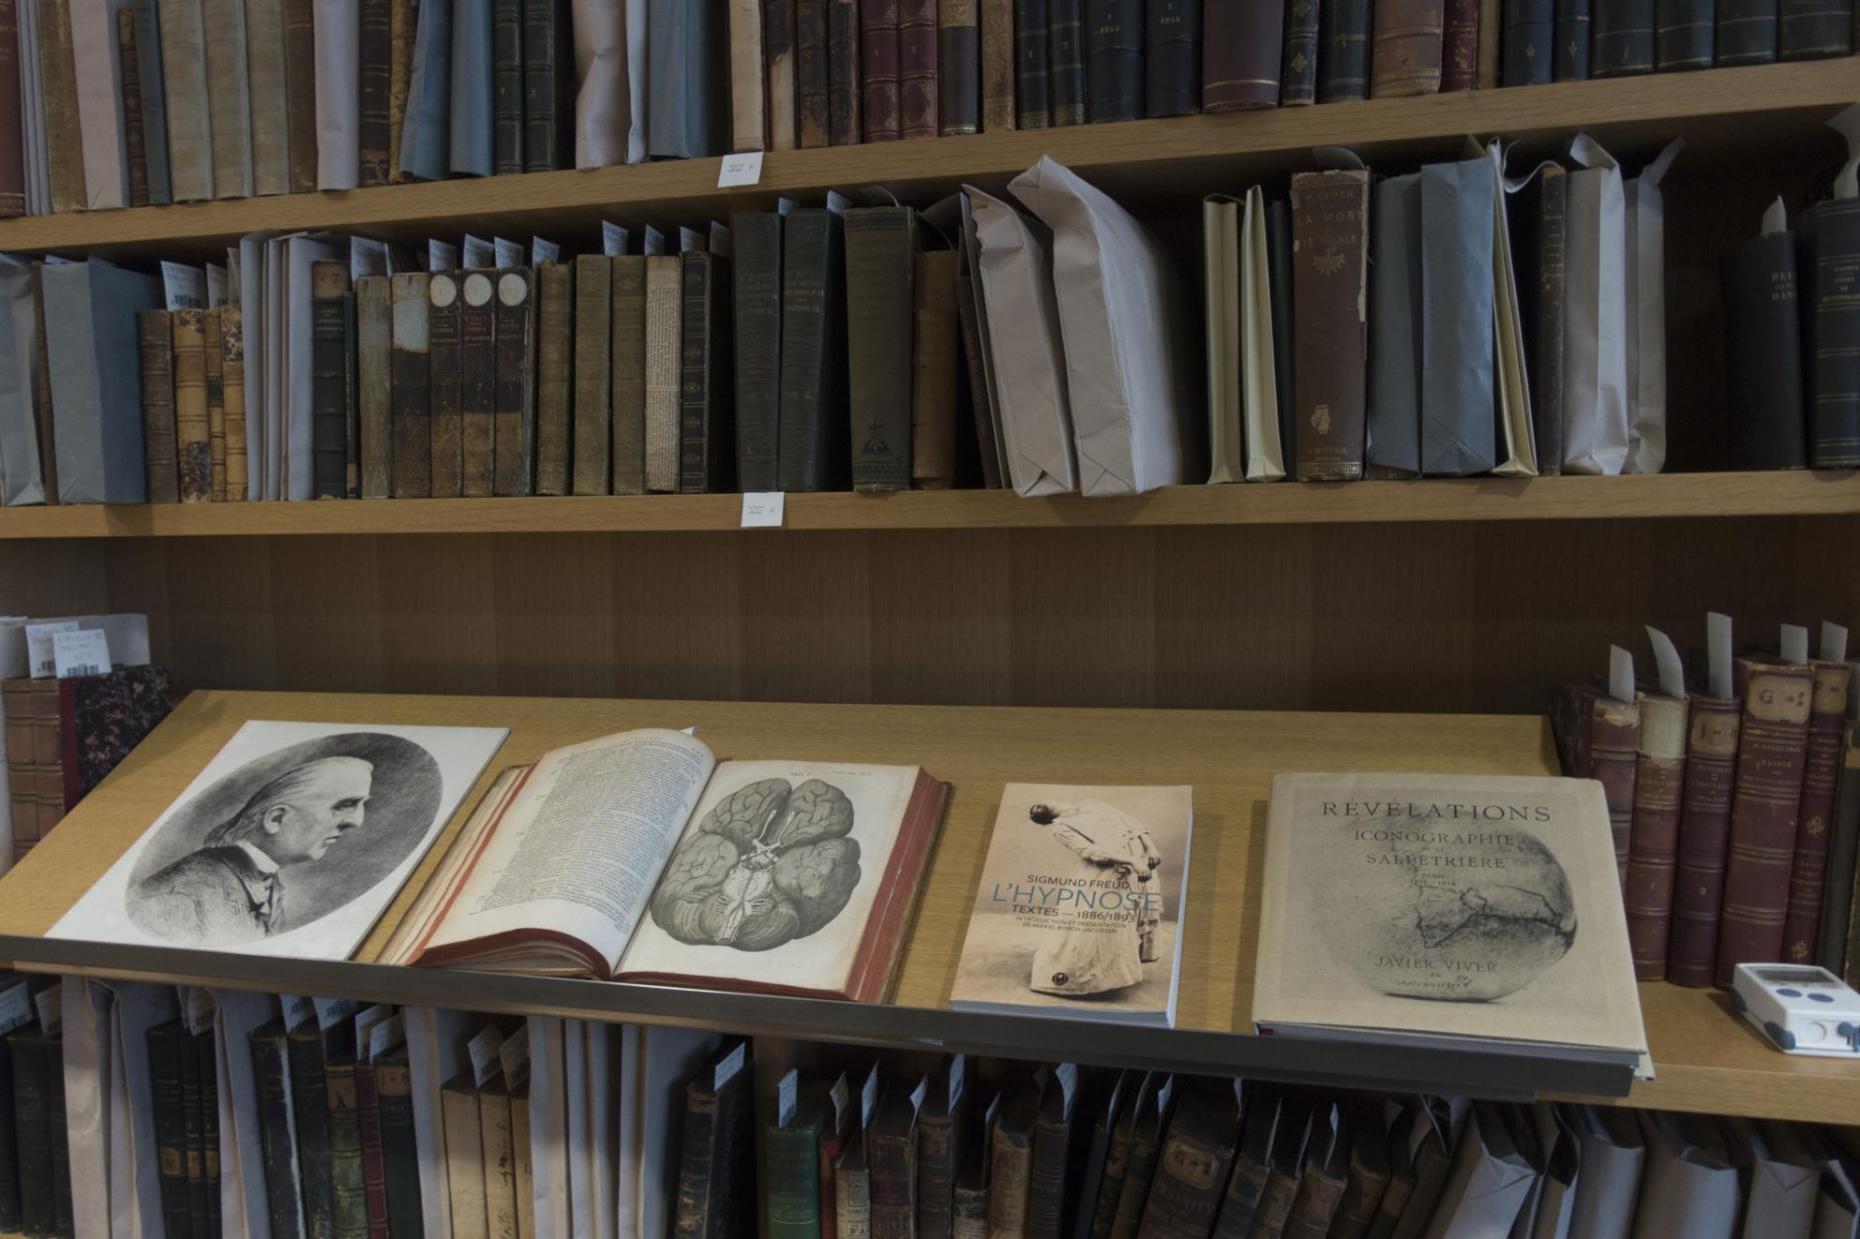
(1445, 906)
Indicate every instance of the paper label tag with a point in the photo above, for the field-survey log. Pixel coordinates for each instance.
(730, 1064)
(958, 1077)
(367, 257)
(80, 651)
(513, 1056)
(508, 253)
(50, 1004)
(15, 1007)
(744, 168)
(543, 252)
(365, 1021)
(1833, 642)
(763, 509)
(1620, 674)
(841, 1097)
(479, 253)
(1666, 659)
(1068, 1076)
(483, 1049)
(297, 1009)
(39, 657)
(613, 239)
(199, 1009)
(385, 1036)
(1164, 1092)
(1718, 654)
(441, 255)
(1794, 644)
(651, 241)
(787, 1094)
(183, 287)
(332, 1011)
(691, 241)
(868, 1096)
(216, 286)
(919, 1093)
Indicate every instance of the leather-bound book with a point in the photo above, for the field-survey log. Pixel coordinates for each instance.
(444, 383)
(1653, 847)
(63, 1223)
(1684, 32)
(1704, 835)
(1033, 104)
(374, 359)
(1010, 1163)
(844, 81)
(1065, 57)
(627, 351)
(232, 389)
(1828, 254)
(192, 433)
(1597, 737)
(1116, 1169)
(507, 115)
(1459, 45)
(347, 1175)
(1191, 1171)
(310, 1119)
(399, 1153)
(1369, 1175)
(716, 1169)
(299, 90)
(1838, 922)
(477, 383)
(852, 1190)
(1172, 57)
(1284, 1169)
(135, 133)
(1814, 29)
(267, 91)
(64, 151)
(942, 1146)
(351, 412)
(37, 1073)
(1622, 40)
(12, 164)
(194, 1144)
(1763, 354)
(1279, 273)
(409, 385)
(1330, 212)
(155, 337)
(1406, 56)
(1546, 212)
(664, 370)
(201, 1045)
(881, 247)
(969, 1203)
(1242, 54)
(1114, 58)
(1252, 1161)
(811, 75)
(1746, 32)
(1148, 1123)
(778, 52)
(757, 306)
(1570, 59)
(933, 362)
(500, 1158)
(464, 1157)
(959, 67)
(166, 1043)
(748, 75)
(1529, 27)
(514, 392)
(555, 352)
(891, 1156)
(1298, 75)
(593, 381)
(1050, 1203)
(9, 1140)
(375, 51)
(547, 83)
(917, 68)
(1343, 51)
(522, 1157)
(329, 280)
(1821, 772)
(271, 1074)
(706, 456)
(368, 1130)
(1771, 753)
(228, 96)
(1000, 63)
(791, 1168)
(837, 1131)
(1326, 1176)
(216, 404)
(813, 446)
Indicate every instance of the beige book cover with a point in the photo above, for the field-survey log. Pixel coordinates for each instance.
(1079, 909)
(1444, 907)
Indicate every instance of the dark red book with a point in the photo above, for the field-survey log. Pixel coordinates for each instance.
(1598, 737)
(374, 1162)
(1704, 836)
(1821, 773)
(102, 717)
(918, 33)
(879, 58)
(1459, 45)
(1653, 845)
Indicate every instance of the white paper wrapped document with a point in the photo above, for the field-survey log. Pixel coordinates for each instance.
(603, 96)
(1220, 247)
(1646, 312)
(338, 86)
(1690, 1186)
(1259, 376)
(1595, 328)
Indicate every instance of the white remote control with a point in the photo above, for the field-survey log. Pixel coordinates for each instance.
(1801, 1010)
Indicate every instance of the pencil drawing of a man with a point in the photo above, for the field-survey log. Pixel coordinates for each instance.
(234, 888)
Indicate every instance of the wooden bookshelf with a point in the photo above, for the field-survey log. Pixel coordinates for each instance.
(1705, 1058)
(1430, 501)
(1766, 113)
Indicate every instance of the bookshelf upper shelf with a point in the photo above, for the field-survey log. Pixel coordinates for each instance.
(1671, 495)
(1766, 111)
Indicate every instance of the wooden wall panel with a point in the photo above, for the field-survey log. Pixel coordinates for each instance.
(38, 581)
(678, 615)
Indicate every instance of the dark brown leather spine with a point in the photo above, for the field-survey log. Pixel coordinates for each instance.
(706, 459)
(555, 352)
(1820, 779)
(933, 361)
(959, 67)
(1033, 104)
(193, 451)
(628, 359)
(1298, 77)
(880, 55)
(1459, 45)
(135, 139)
(515, 448)
(917, 68)
(12, 166)
(593, 382)
(1330, 211)
(64, 148)
(158, 432)
(216, 403)
(1242, 55)
(1315, 1204)
(811, 74)
(409, 400)
(1406, 57)
(444, 382)
(300, 91)
(1653, 850)
(477, 384)
(374, 352)
(1771, 752)
(1191, 1174)
(1704, 834)
(998, 103)
(880, 245)
(843, 79)
(376, 52)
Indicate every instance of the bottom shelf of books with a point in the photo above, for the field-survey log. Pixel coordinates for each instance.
(820, 874)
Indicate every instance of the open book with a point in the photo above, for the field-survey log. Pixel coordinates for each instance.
(638, 857)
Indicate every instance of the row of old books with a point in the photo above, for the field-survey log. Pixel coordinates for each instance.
(1570, 40)
(1735, 802)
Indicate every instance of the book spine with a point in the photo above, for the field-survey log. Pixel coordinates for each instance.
(1815, 29)
(1821, 770)
(374, 336)
(232, 388)
(999, 65)
(1343, 55)
(272, 1084)
(207, 1058)
(1546, 373)
(1843, 858)
(477, 383)
(1314, 1206)
(9, 1147)
(843, 78)
(879, 58)
(1622, 43)
(893, 1168)
(1459, 45)
(628, 348)
(1704, 835)
(155, 336)
(229, 121)
(1746, 32)
(32, 1085)
(1570, 60)
(664, 361)
(880, 246)
(410, 406)
(352, 444)
(937, 1150)
(1172, 57)
(811, 73)
(1614, 744)
(555, 351)
(969, 1213)
(593, 336)
(135, 136)
(1771, 753)
(215, 365)
(933, 359)
(309, 1110)
(1046, 1181)
(299, 92)
(1831, 283)
(374, 1169)
(1406, 57)
(1186, 1193)
(1330, 210)
(757, 304)
(1653, 850)
(328, 414)
(704, 456)
(168, 1109)
(399, 1153)
(789, 1162)
(959, 67)
(64, 151)
(1139, 1176)
(1010, 1174)
(1114, 57)
(779, 34)
(1683, 34)
(692, 1216)
(917, 68)
(1763, 355)
(537, 146)
(1527, 57)
(444, 384)
(811, 416)
(60, 1130)
(1245, 1186)
(514, 432)
(348, 1188)
(375, 81)
(523, 1164)
(507, 98)
(1066, 61)
(1032, 104)
(1298, 75)
(193, 437)
(12, 162)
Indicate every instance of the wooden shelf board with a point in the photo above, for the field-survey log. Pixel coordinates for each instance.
(1715, 110)
(1706, 1059)
(1432, 500)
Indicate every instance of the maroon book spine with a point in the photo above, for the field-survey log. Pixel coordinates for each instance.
(878, 57)
(1704, 835)
(1771, 752)
(1821, 773)
(1459, 45)
(917, 50)
(1597, 738)
(374, 1162)
(1659, 782)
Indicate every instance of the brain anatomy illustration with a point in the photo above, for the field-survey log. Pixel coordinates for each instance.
(770, 863)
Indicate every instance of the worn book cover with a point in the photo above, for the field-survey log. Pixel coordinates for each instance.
(1443, 907)
(1079, 909)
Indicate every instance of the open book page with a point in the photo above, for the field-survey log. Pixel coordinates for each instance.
(776, 877)
(430, 904)
(579, 848)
